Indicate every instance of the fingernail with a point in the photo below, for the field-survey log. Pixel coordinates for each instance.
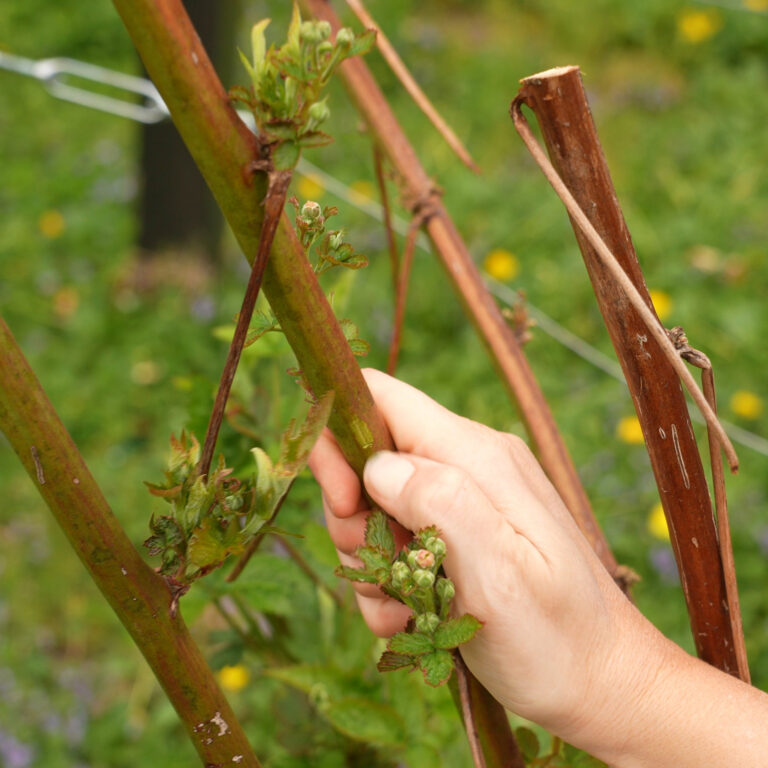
(386, 474)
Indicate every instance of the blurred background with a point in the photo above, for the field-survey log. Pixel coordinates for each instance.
(120, 284)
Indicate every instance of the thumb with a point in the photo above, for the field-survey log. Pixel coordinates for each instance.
(419, 492)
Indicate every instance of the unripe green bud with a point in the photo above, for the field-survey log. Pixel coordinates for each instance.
(319, 112)
(336, 240)
(412, 559)
(436, 546)
(234, 502)
(445, 590)
(400, 574)
(310, 210)
(427, 622)
(315, 31)
(324, 47)
(345, 37)
(423, 579)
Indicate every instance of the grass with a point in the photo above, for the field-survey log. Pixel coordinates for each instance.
(682, 126)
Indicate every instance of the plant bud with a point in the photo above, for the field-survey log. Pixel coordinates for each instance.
(318, 113)
(445, 590)
(424, 558)
(427, 622)
(423, 579)
(234, 502)
(345, 37)
(336, 240)
(310, 210)
(436, 546)
(400, 574)
(324, 47)
(315, 31)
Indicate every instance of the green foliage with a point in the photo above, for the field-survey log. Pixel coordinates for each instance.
(411, 576)
(286, 83)
(215, 516)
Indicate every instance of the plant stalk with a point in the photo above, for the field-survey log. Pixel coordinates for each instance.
(139, 596)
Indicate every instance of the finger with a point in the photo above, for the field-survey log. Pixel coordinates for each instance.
(340, 485)
(383, 617)
(419, 492)
(493, 459)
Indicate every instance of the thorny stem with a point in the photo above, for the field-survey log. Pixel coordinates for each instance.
(273, 208)
(404, 276)
(609, 260)
(397, 66)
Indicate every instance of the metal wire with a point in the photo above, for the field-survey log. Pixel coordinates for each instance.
(54, 74)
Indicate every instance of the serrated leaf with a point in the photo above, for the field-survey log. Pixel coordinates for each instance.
(204, 547)
(436, 666)
(390, 661)
(315, 139)
(454, 632)
(356, 574)
(365, 720)
(373, 559)
(378, 533)
(359, 346)
(363, 43)
(413, 643)
(305, 677)
(261, 323)
(163, 493)
(528, 742)
(294, 31)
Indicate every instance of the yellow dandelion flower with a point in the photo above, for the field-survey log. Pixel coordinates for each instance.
(697, 26)
(234, 678)
(746, 404)
(628, 430)
(662, 303)
(65, 302)
(756, 5)
(501, 264)
(51, 224)
(657, 523)
(362, 191)
(310, 187)
(145, 372)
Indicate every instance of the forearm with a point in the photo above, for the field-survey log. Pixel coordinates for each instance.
(679, 712)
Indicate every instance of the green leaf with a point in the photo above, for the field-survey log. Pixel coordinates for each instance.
(423, 756)
(454, 632)
(294, 32)
(271, 584)
(305, 677)
(378, 533)
(359, 346)
(205, 547)
(258, 48)
(390, 661)
(285, 155)
(297, 444)
(413, 643)
(528, 742)
(373, 559)
(261, 323)
(436, 666)
(363, 43)
(315, 139)
(364, 720)
(357, 574)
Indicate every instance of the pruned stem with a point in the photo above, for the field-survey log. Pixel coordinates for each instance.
(580, 175)
(620, 276)
(273, 208)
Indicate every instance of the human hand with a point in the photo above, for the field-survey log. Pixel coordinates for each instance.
(558, 632)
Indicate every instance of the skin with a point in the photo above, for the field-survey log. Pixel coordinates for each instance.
(560, 644)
